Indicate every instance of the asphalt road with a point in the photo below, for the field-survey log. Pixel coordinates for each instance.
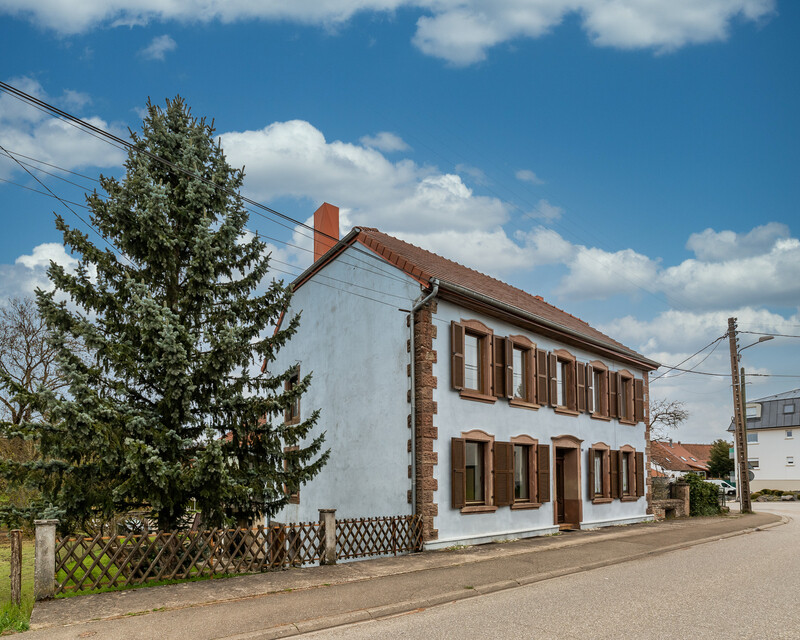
(741, 587)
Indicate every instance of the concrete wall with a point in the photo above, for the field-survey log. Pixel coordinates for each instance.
(772, 450)
(356, 348)
(456, 415)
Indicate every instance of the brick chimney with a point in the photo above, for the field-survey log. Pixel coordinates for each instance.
(326, 229)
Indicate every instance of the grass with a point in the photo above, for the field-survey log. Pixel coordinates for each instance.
(12, 617)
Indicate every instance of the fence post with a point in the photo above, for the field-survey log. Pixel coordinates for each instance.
(16, 566)
(327, 521)
(44, 571)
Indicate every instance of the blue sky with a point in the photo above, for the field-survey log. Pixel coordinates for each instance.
(632, 162)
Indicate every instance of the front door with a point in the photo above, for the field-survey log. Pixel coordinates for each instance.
(559, 486)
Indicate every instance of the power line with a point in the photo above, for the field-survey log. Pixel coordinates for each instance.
(687, 359)
(776, 335)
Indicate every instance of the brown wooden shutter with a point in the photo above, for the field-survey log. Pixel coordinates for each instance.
(570, 385)
(590, 473)
(640, 480)
(612, 395)
(532, 472)
(499, 366)
(621, 409)
(458, 461)
(580, 375)
(638, 400)
(509, 370)
(457, 358)
(503, 474)
(541, 377)
(552, 375)
(543, 473)
(529, 360)
(614, 473)
(589, 388)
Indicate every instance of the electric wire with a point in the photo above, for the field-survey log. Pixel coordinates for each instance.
(676, 367)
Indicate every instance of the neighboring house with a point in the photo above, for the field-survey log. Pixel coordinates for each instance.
(673, 459)
(513, 418)
(773, 441)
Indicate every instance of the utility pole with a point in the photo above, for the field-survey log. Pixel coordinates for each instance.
(740, 418)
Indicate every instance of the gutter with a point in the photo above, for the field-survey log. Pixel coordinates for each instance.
(414, 310)
(469, 293)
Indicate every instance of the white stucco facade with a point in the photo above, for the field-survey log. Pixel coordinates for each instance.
(356, 349)
(500, 419)
(353, 337)
(778, 456)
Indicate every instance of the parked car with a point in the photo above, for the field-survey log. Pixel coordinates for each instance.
(724, 487)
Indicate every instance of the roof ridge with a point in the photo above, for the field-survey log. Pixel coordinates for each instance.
(485, 275)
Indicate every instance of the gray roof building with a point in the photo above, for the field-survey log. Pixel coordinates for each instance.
(773, 412)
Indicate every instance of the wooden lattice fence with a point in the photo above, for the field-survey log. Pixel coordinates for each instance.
(89, 563)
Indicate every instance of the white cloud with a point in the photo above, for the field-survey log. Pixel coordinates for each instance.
(29, 271)
(159, 47)
(458, 31)
(547, 211)
(385, 141)
(713, 246)
(597, 274)
(526, 175)
(772, 277)
(294, 159)
(30, 132)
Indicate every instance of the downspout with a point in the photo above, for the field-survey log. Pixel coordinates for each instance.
(414, 310)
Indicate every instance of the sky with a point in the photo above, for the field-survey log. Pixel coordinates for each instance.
(634, 162)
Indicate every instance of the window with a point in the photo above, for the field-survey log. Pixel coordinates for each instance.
(472, 362)
(475, 472)
(472, 472)
(790, 460)
(752, 463)
(788, 408)
(561, 369)
(599, 389)
(292, 413)
(470, 366)
(789, 433)
(752, 438)
(522, 473)
(753, 411)
(625, 472)
(520, 367)
(599, 472)
(626, 409)
(520, 376)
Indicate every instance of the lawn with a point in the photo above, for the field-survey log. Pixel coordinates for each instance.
(12, 617)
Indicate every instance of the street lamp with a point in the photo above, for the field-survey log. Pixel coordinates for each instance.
(740, 415)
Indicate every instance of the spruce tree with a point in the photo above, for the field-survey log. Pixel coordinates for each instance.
(165, 412)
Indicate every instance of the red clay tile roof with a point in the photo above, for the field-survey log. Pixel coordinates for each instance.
(423, 265)
(678, 457)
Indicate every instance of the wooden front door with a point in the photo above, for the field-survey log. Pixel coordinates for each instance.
(560, 515)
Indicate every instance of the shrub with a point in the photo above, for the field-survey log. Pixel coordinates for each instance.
(703, 496)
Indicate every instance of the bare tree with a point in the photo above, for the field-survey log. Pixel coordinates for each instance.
(26, 357)
(666, 415)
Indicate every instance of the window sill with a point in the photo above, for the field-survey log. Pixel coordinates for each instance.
(477, 396)
(292, 421)
(602, 500)
(565, 411)
(629, 498)
(627, 421)
(519, 506)
(479, 508)
(522, 404)
(600, 416)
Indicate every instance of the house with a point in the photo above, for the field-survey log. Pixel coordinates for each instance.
(673, 459)
(773, 441)
(513, 418)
